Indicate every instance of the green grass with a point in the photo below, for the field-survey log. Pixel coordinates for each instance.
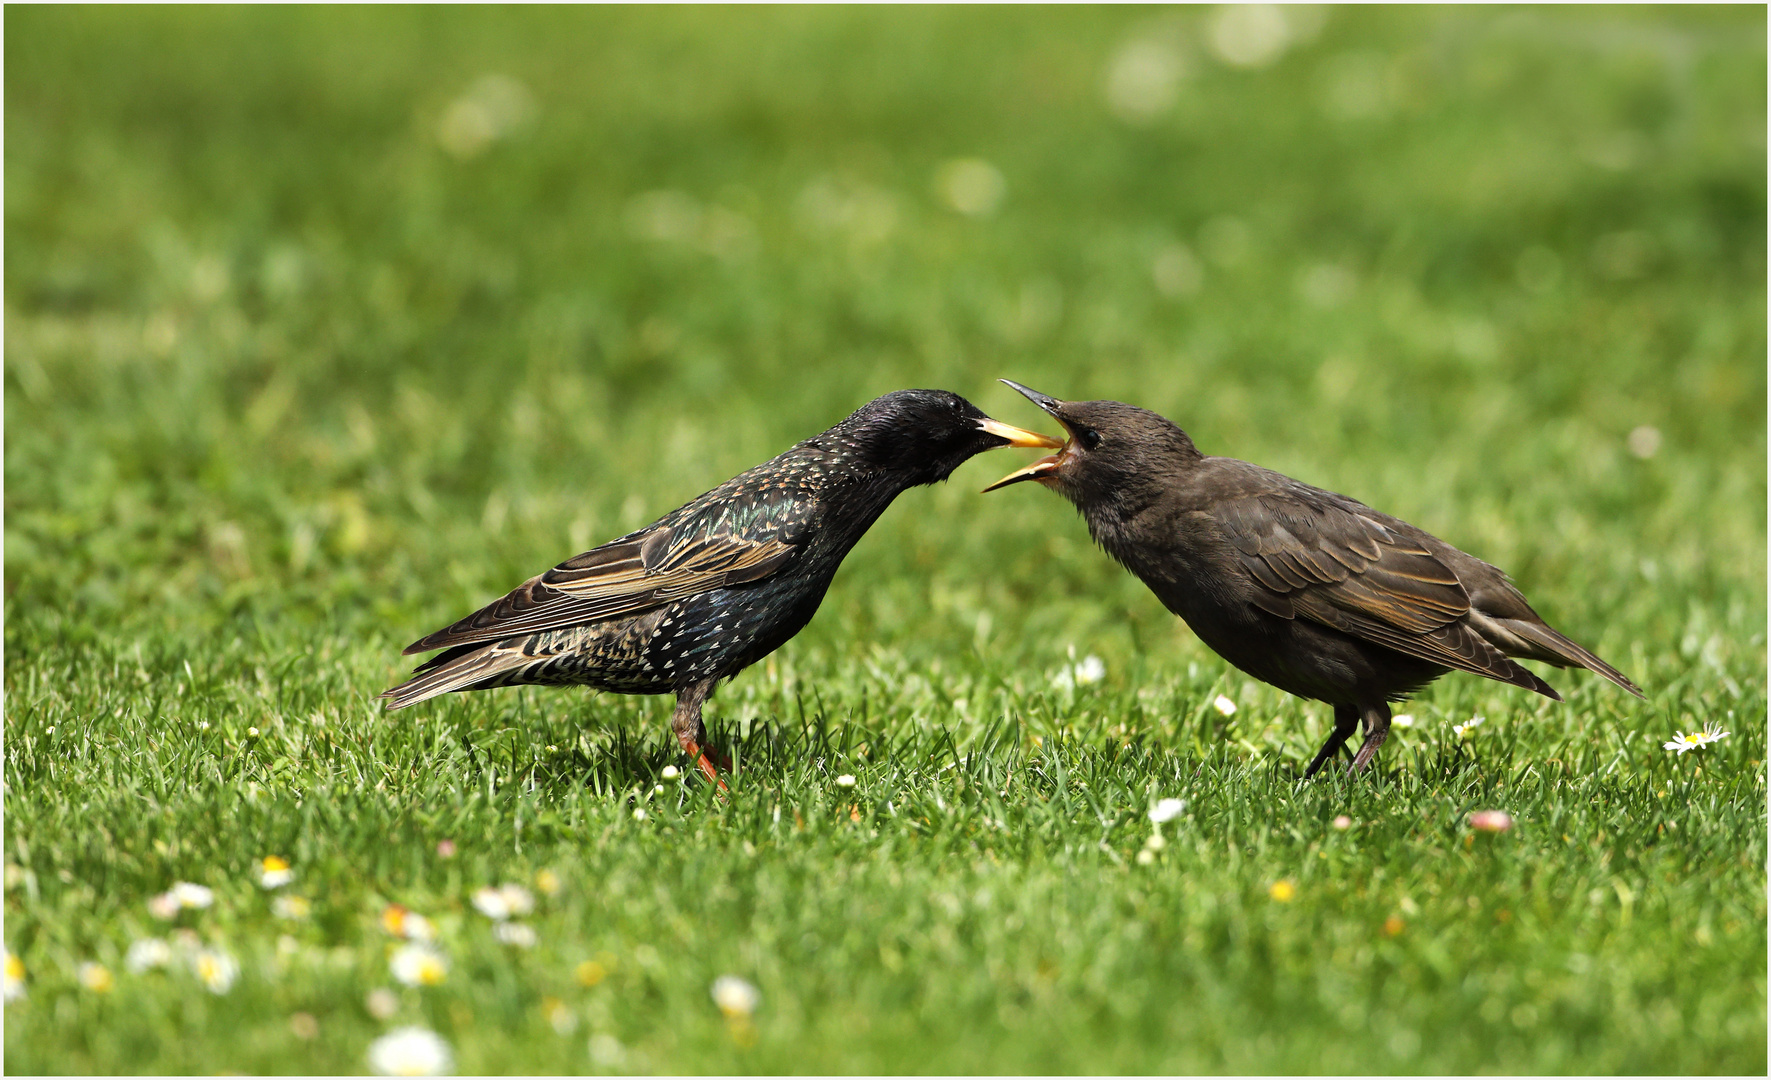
(297, 370)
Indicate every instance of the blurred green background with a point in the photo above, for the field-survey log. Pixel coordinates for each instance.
(326, 325)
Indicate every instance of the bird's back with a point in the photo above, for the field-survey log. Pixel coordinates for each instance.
(1243, 553)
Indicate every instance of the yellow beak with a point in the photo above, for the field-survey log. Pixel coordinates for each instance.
(1018, 436)
(1038, 470)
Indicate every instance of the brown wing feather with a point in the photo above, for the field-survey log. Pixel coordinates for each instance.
(620, 578)
(1348, 570)
(1453, 645)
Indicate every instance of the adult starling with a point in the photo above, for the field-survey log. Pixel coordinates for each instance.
(1311, 591)
(718, 583)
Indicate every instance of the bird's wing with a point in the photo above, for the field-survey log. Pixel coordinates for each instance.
(1334, 562)
(680, 556)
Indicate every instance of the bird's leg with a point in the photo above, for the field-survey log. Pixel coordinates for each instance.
(1346, 721)
(692, 733)
(1377, 729)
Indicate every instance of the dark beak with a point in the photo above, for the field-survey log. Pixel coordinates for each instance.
(1049, 404)
(1045, 466)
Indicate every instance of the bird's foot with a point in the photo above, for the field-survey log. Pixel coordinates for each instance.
(1377, 729)
(1366, 753)
(711, 763)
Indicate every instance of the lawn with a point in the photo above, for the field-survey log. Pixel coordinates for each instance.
(326, 326)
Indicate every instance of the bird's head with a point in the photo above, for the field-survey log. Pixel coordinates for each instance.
(1114, 451)
(921, 436)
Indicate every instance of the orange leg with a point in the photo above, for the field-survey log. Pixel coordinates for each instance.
(692, 733)
(705, 760)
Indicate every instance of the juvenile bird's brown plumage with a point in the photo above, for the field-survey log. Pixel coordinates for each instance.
(720, 582)
(1316, 593)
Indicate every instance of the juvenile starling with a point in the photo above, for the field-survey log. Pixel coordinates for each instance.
(718, 583)
(1310, 591)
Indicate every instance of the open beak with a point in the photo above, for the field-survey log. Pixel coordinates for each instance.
(1017, 436)
(1047, 465)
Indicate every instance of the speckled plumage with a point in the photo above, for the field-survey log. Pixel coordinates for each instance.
(720, 582)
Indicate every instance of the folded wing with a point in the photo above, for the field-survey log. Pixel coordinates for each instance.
(1315, 557)
(670, 560)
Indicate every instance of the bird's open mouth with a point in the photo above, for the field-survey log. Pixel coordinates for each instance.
(1047, 465)
(1018, 436)
(1038, 470)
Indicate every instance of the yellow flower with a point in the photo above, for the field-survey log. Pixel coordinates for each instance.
(402, 922)
(275, 872)
(15, 977)
(548, 882)
(590, 973)
(561, 1017)
(1283, 890)
(96, 977)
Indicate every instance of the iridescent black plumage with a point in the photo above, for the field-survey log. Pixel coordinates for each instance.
(720, 582)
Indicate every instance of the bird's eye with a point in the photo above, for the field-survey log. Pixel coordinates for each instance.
(1089, 438)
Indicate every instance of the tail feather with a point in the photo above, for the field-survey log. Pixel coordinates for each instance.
(1562, 652)
(457, 669)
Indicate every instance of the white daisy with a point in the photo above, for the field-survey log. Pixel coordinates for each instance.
(1224, 705)
(216, 969)
(192, 896)
(1088, 671)
(504, 901)
(146, 954)
(410, 1051)
(512, 933)
(418, 964)
(381, 1003)
(1091, 670)
(95, 977)
(1682, 742)
(274, 872)
(736, 997)
(1167, 810)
